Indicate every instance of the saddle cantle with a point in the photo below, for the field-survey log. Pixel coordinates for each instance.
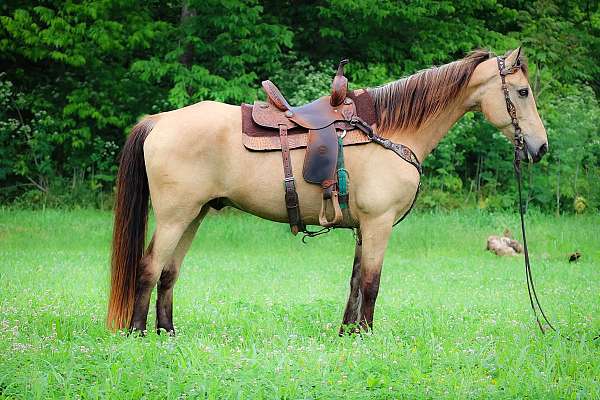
(277, 125)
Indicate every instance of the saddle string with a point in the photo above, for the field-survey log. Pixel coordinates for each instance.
(519, 150)
(311, 234)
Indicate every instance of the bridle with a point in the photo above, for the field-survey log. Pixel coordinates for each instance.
(510, 106)
(519, 144)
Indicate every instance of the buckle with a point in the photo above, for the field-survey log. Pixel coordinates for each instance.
(289, 184)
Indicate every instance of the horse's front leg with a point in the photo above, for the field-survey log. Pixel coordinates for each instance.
(352, 312)
(366, 273)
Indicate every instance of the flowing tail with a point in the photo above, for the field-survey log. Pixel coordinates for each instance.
(129, 232)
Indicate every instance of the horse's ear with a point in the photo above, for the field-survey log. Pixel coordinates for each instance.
(513, 59)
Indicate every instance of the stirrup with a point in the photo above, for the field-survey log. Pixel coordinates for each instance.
(338, 216)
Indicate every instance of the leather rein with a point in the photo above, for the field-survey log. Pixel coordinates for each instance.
(520, 150)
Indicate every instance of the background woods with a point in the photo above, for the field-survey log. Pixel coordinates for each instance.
(75, 76)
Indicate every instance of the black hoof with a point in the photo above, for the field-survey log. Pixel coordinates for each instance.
(349, 330)
(168, 331)
(135, 332)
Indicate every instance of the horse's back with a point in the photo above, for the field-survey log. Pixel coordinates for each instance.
(194, 125)
(195, 154)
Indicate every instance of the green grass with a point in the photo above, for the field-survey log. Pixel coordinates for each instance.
(257, 313)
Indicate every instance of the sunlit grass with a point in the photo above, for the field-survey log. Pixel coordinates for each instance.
(257, 313)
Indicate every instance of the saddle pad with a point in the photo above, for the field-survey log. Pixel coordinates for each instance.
(258, 138)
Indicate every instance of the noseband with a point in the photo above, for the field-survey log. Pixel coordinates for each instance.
(519, 143)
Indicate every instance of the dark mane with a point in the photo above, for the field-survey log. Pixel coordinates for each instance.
(411, 101)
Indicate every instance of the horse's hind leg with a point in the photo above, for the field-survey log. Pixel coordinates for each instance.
(158, 255)
(169, 275)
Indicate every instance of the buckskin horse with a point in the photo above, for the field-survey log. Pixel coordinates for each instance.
(192, 159)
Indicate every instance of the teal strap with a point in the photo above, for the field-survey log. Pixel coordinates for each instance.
(342, 175)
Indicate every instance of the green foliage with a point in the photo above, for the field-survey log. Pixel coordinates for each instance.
(572, 169)
(77, 75)
(217, 53)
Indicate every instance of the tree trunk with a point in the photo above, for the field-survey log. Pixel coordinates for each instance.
(558, 190)
(186, 14)
(537, 83)
(576, 177)
(478, 176)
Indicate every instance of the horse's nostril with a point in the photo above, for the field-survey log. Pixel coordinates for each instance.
(543, 150)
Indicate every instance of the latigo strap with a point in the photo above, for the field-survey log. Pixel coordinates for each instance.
(291, 195)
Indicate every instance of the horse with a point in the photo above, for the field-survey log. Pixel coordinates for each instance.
(190, 160)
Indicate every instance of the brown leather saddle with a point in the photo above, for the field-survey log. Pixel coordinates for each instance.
(323, 127)
(315, 125)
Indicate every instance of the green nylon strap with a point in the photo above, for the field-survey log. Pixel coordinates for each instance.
(342, 175)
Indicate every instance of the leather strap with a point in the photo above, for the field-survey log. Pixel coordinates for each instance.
(401, 150)
(510, 106)
(519, 151)
(289, 183)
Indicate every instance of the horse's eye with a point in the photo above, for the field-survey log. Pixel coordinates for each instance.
(523, 92)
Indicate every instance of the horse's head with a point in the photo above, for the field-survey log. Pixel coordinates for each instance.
(495, 106)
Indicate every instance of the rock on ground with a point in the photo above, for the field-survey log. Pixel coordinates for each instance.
(504, 246)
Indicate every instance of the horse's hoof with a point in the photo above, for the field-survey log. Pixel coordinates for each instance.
(169, 332)
(349, 330)
(135, 332)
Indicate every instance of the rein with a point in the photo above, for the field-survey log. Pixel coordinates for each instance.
(519, 151)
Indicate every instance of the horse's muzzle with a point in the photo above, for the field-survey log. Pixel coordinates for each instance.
(540, 153)
(536, 155)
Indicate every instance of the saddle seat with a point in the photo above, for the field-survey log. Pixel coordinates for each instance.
(319, 113)
(339, 90)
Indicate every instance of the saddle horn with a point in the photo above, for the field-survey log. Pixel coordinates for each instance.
(339, 86)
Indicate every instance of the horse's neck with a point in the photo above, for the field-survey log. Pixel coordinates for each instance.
(424, 139)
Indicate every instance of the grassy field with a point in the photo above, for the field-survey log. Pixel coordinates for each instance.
(257, 313)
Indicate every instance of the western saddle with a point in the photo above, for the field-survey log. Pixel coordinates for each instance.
(324, 126)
